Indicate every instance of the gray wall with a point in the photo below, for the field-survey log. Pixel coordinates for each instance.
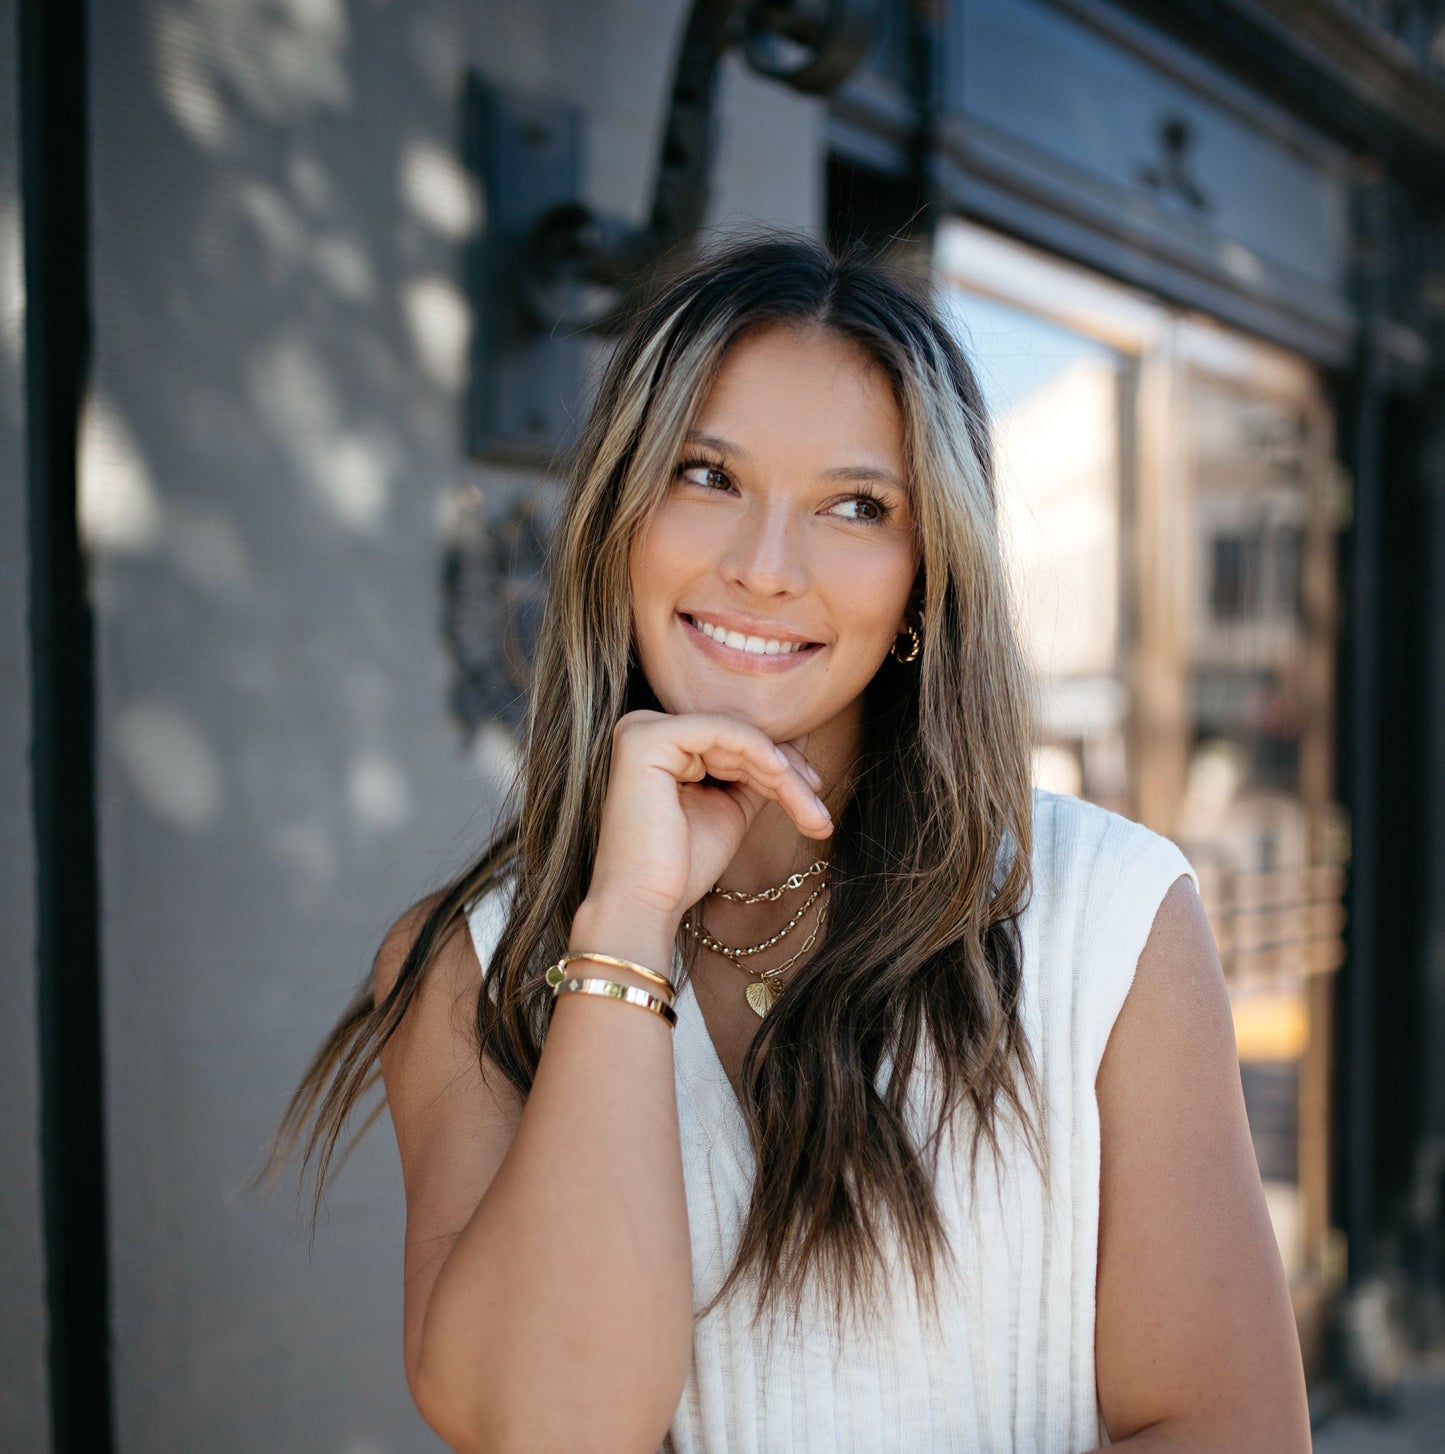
(24, 1419)
(268, 463)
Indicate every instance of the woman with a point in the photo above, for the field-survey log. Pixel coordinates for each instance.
(946, 1149)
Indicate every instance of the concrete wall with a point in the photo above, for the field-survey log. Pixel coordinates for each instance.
(269, 458)
(24, 1418)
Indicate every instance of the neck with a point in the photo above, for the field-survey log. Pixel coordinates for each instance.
(773, 848)
(771, 851)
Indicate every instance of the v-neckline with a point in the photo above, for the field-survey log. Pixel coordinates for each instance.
(706, 1064)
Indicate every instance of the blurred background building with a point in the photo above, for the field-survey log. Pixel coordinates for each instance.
(296, 295)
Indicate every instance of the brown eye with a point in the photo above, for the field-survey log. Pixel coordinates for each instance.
(708, 476)
(866, 509)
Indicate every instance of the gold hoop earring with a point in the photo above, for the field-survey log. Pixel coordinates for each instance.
(915, 645)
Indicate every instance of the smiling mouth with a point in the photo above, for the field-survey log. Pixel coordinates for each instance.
(750, 645)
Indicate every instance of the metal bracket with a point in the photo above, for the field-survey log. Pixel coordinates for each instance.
(547, 269)
(526, 157)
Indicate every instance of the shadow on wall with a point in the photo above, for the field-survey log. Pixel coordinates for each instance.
(274, 431)
(269, 457)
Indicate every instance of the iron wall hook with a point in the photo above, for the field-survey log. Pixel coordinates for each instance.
(573, 252)
(548, 269)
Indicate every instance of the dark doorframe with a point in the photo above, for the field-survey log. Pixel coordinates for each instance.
(53, 182)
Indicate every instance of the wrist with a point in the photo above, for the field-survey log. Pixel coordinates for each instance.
(627, 931)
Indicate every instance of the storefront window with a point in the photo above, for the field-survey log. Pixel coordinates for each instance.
(1164, 490)
(1056, 400)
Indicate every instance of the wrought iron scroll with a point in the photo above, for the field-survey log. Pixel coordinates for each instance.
(573, 252)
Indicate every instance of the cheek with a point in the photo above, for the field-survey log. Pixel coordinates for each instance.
(661, 557)
(647, 573)
(879, 593)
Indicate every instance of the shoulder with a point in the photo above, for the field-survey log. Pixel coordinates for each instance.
(467, 947)
(455, 955)
(1093, 869)
(1099, 880)
(433, 1047)
(1194, 1327)
(1083, 848)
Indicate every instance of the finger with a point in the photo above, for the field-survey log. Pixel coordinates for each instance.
(726, 766)
(731, 766)
(733, 750)
(811, 773)
(792, 794)
(725, 744)
(795, 795)
(817, 821)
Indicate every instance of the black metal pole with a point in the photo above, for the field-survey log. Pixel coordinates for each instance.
(1362, 777)
(53, 197)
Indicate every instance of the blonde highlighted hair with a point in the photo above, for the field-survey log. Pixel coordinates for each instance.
(921, 961)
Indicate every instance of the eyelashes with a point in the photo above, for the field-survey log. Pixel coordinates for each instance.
(708, 466)
(876, 503)
(716, 480)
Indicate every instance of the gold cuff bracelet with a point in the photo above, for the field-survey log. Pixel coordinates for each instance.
(558, 971)
(614, 989)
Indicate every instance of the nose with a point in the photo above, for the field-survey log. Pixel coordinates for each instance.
(765, 554)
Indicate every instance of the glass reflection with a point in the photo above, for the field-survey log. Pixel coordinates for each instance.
(1056, 400)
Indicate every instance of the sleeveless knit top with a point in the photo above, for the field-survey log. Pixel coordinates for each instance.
(1008, 1364)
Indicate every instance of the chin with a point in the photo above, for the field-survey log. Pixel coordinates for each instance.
(780, 725)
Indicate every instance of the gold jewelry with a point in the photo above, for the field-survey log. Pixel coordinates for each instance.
(614, 989)
(768, 896)
(914, 646)
(762, 995)
(708, 942)
(558, 971)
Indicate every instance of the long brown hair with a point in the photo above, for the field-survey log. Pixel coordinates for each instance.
(931, 853)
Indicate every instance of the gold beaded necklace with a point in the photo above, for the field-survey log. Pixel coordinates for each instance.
(768, 983)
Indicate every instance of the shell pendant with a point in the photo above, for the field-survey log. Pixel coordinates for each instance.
(761, 996)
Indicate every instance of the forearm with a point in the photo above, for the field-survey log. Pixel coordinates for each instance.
(562, 1318)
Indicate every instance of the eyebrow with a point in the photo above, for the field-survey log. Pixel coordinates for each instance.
(841, 473)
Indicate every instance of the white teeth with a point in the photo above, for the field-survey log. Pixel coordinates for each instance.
(758, 645)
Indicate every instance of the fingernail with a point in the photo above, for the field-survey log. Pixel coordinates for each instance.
(822, 807)
(812, 774)
(782, 756)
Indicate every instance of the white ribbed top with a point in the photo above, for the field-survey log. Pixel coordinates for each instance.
(1010, 1367)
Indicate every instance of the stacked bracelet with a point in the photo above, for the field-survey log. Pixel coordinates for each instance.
(558, 971)
(614, 989)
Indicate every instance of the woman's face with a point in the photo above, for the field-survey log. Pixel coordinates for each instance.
(775, 575)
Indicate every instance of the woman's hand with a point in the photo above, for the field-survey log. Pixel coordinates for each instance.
(666, 833)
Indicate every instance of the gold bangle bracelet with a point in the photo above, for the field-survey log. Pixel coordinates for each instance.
(614, 989)
(558, 972)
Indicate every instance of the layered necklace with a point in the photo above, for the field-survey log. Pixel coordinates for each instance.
(767, 984)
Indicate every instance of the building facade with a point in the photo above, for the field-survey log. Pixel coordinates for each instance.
(274, 439)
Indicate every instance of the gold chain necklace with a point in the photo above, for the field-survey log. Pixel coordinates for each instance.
(769, 896)
(768, 983)
(708, 942)
(763, 994)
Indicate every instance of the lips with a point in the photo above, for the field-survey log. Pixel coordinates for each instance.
(758, 646)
